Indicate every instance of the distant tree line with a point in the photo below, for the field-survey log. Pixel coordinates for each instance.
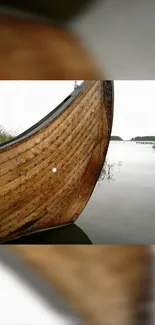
(115, 138)
(4, 135)
(144, 138)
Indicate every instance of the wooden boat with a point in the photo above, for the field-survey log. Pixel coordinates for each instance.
(120, 276)
(47, 174)
(40, 50)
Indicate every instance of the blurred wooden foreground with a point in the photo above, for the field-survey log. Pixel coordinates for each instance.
(108, 285)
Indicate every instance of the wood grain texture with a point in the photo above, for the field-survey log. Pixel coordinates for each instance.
(42, 51)
(73, 139)
(107, 284)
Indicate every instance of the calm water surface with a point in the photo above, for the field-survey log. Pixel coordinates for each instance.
(122, 207)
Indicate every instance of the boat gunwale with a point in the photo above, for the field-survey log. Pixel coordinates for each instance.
(46, 119)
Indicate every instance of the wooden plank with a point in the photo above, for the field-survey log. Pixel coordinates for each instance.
(107, 284)
(33, 50)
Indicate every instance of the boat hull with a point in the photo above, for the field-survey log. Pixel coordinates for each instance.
(120, 276)
(31, 49)
(48, 173)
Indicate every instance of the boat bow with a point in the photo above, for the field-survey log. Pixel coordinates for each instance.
(48, 173)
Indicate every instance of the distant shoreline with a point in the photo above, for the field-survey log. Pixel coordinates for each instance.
(142, 138)
(115, 138)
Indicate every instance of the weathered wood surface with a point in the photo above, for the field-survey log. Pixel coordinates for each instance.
(75, 142)
(108, 285)
(39, 50)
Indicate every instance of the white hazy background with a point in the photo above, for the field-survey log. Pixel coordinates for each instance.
(120, 34)
(23, 103)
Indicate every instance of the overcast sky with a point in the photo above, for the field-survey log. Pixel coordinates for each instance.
(23, 103)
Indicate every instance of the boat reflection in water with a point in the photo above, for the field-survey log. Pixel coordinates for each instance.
(108, 171)
(70, 234)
